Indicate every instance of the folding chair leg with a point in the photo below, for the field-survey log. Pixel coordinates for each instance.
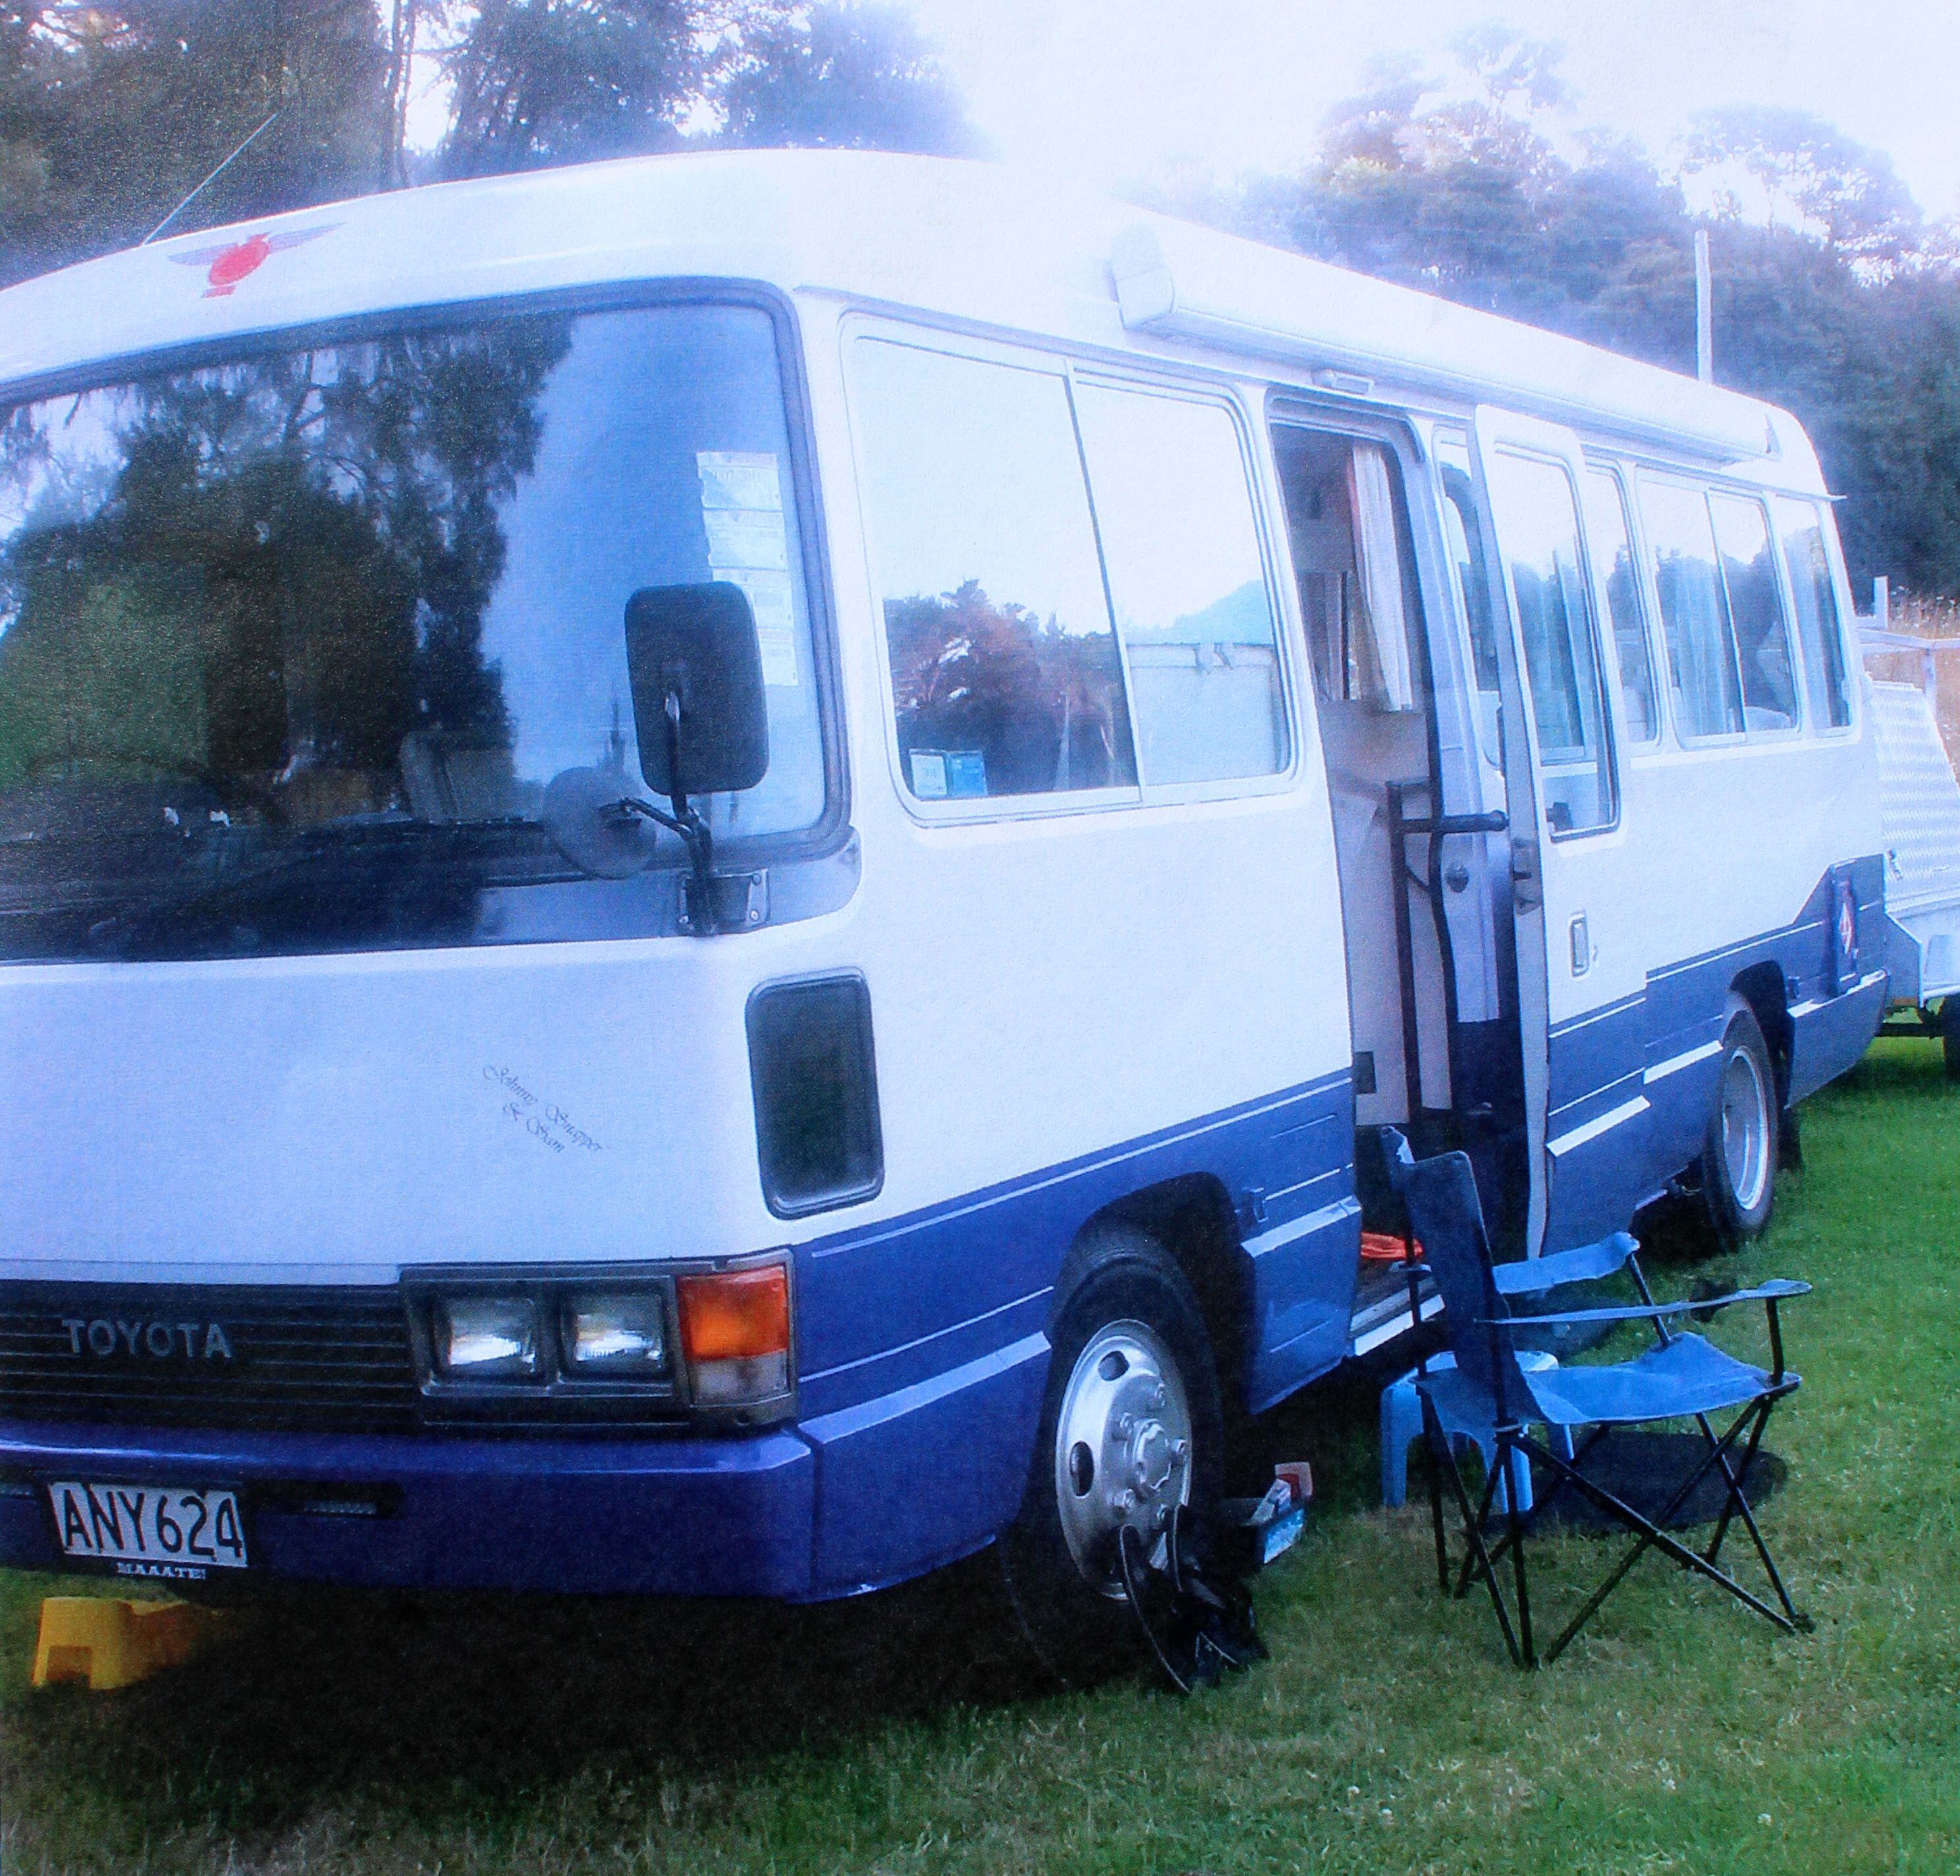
(1563, 1442)
(1481, 1559)
(1742, 1471)
(1738, 1504)
(1653, 1536)
(1441, 1455)
(1508, 1450)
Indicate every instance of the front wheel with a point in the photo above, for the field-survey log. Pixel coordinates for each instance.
(1131, 1427)
(1739, 1157)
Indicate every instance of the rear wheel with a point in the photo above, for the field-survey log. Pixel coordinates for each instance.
(1949, 1035)
(1131, 1427)
(1739, 1157)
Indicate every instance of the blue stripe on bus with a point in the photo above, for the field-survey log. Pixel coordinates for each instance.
(884, 1307)
(1661, 1048)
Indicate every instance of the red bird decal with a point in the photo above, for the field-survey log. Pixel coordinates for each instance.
(238, 259)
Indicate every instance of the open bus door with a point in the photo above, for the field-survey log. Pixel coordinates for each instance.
(1581, 983)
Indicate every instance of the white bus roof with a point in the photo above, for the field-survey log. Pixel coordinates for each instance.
(975, 242)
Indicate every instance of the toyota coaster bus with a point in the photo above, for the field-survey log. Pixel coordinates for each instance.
(713, 870)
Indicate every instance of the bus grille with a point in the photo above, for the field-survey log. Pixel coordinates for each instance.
(259, 1359)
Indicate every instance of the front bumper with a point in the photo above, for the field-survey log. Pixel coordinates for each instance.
(827, 1507)
(730, 1517)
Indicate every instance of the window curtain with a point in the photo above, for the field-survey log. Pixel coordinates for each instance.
(1700, 644)
(1377, 560)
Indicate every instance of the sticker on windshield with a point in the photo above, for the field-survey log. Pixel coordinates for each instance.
(746, 537)
(770, 600)
(734, 478)
(748, 546)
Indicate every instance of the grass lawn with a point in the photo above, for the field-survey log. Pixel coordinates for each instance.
(1388, 1733)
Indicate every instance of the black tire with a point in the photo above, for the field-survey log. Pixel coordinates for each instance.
(1949, 1035)
(1739, 1153)
(1117, 1281)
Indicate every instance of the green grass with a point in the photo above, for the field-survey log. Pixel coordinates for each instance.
(900, 1733)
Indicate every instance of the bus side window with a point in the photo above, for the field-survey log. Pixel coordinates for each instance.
(1818, 625)
(1693, 610)
(1188, 583)
(1755, 612)
(1612, 542)
(1537, 516)
(1005, 673)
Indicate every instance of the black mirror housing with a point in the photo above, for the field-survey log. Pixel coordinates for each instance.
(698, 645)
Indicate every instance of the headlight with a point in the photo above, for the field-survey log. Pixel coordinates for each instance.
(623, 1334)
(486, 1338)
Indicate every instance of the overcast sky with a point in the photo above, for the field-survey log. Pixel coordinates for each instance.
(1112, 90)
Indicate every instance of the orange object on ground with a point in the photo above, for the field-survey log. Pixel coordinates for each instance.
(1379, 1247)
(113, 1643)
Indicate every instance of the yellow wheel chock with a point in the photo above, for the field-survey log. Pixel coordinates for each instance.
(113, 1643)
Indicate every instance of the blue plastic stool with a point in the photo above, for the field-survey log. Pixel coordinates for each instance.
(1401, 1423)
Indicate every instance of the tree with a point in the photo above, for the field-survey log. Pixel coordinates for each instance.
(1848, 314)
(844, 75)
(1510, 66)
(1847, 193)
(404, 19)
(541, 81)
(110, 116)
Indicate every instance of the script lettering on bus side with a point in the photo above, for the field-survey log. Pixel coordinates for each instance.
(544, 1121)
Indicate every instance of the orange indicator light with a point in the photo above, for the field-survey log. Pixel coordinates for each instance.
(736, 1315)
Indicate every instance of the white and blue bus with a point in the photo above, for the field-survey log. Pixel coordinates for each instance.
(712, 870)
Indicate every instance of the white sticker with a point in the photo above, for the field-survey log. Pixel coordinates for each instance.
(771, 600)
(748, 546)
(746, 537)
(735, 478)
(928, 774)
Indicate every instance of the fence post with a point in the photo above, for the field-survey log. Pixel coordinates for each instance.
(1704, 312)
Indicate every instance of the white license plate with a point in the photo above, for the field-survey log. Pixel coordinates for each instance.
(147, 1530)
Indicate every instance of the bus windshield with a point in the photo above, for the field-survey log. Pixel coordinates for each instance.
(292, 644)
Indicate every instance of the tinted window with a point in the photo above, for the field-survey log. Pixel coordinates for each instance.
(1005, 670)
(1755, 612)
(1181, 550)
(1817, 628)
(1537, 519)
(811, 1066)
(1460, 524)
(1465, 542)
(291, 646)
(1693, 610)
(1612, 544)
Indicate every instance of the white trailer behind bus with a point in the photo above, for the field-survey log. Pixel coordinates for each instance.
(1919, 799)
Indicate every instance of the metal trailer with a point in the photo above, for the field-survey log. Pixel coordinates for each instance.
(1919, 802)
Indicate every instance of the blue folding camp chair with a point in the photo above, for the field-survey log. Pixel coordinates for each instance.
(1683, 1377)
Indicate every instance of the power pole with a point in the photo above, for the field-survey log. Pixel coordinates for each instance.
(1704, 312)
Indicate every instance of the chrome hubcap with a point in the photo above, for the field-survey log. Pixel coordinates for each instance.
(1122, 1448)
(1746, 1128)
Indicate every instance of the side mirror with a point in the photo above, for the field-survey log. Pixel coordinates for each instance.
(695, 665)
